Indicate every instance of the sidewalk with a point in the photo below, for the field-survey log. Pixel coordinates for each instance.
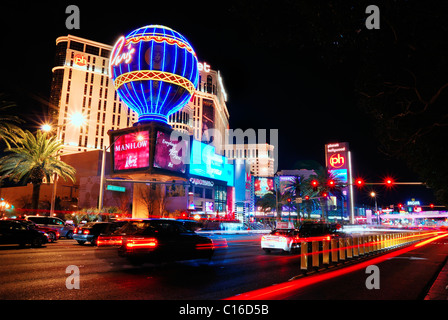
(439, 289)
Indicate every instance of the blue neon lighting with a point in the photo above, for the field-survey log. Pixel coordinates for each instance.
(161, 49)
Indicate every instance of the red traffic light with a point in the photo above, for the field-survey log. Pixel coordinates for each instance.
(307, 197)
(324, 194)
(289, 199)
(359, 182)
(431, 206)
(314, 183)
(331, 183)
(389, 182)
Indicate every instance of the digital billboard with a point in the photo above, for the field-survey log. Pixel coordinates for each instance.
(131, 151)
(263, 186)
(168, 153)
(206, 163)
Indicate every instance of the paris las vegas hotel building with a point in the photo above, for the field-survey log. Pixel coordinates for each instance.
(81, 85)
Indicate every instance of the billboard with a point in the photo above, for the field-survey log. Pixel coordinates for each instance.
(263, 186)
(206, 163)
(131, 151)
(336, 159)
(168, 153)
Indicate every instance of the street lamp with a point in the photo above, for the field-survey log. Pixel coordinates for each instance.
(373, 195)
(76, 119)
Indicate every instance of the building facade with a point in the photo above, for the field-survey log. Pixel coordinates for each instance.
(261, 157)
(81, 88)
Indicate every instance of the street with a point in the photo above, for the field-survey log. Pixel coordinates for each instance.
(40, 274)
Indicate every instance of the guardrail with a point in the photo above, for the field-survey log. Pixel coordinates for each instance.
(321, 253)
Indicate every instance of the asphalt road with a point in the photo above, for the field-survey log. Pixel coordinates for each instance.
(40, 274)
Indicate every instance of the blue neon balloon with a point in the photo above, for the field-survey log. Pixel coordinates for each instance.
(155, 72)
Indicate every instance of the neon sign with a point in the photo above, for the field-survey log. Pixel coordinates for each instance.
(337, 161)
(203, 67)
(154, 71)
(80, 60)
(118, 56)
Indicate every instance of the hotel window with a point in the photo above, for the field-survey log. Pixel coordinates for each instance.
(105, 53)
(92, 50)
(74, 45)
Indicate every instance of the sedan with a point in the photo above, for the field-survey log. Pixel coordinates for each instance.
(16, 232)
(289, 240)
(90, 231)
(157, 240)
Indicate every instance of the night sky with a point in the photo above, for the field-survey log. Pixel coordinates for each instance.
(274, 75)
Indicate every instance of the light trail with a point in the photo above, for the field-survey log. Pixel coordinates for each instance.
(282, 290)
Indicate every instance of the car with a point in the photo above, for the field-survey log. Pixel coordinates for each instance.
(290, 239)
(162, 240)
(90, 231)
(17, 232)
(53, 233)
(64, 229)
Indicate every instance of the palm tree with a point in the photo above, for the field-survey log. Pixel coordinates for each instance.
(295, 190)
(33, 158)
(322, 176)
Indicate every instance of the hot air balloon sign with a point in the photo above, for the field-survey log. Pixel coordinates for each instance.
(155, 72)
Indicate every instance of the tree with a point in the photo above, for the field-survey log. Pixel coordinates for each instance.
(33, 158)
(295, 190)
(267, 202)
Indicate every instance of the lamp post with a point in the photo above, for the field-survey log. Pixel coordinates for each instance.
(76, 119)
(373, 195)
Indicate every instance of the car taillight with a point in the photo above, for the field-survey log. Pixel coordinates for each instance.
(86, 232)
(76, 230)
(204, 246)
(109, 241)
(141, 243)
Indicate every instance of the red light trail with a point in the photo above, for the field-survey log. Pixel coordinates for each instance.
(282, 290)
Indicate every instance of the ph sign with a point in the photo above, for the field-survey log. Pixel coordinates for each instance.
(336, 155)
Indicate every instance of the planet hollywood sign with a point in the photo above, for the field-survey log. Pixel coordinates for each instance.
(202, 182)
(336, 155)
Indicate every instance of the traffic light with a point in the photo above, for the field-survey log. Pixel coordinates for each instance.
(324, 194)
(289, 200)
(400, 206)
(331, 183)
(359, 183)
(307, 197)
(431, 206)
(389, 182)
(314, 184)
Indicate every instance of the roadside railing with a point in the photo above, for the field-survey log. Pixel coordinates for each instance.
(316, 254)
